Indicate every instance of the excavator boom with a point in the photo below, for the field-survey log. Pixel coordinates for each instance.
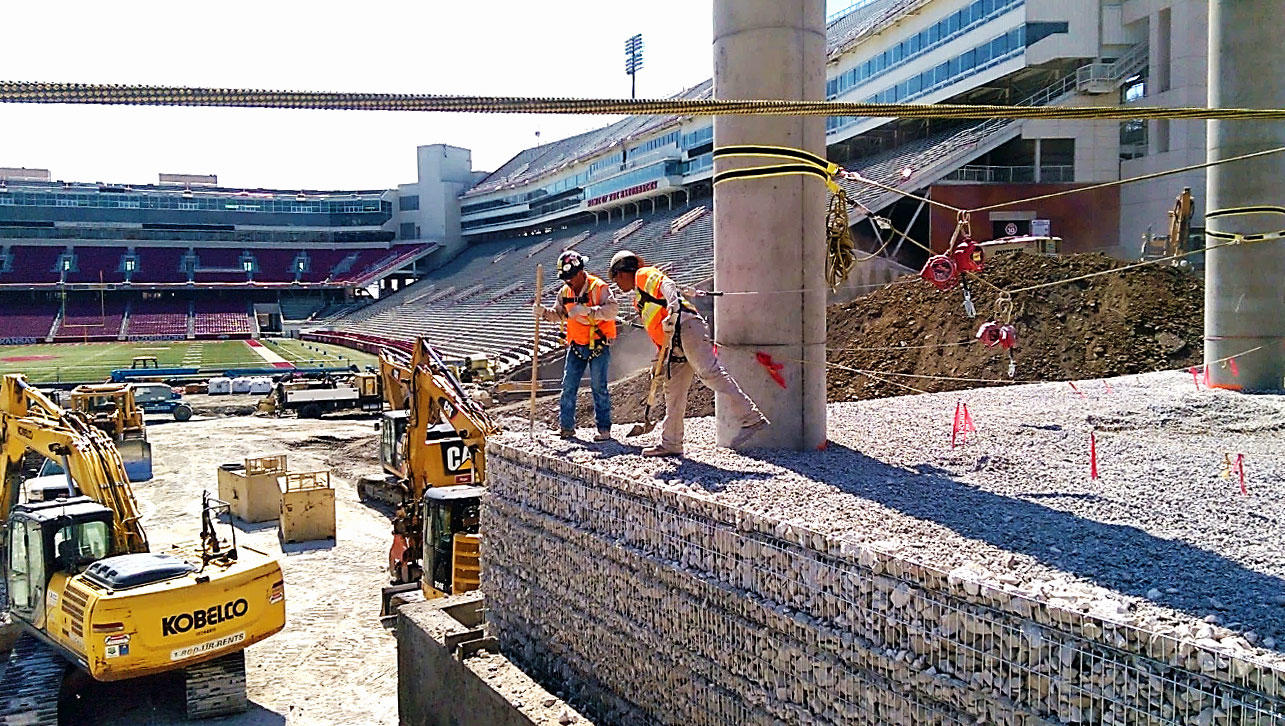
(29, 420)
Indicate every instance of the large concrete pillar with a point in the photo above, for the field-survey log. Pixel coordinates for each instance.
(1245, 284)
(769, 233)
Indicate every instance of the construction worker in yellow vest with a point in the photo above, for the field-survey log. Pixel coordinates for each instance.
(668, 317)
(587, 310)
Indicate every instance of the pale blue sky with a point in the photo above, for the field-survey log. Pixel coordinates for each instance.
(509, 47)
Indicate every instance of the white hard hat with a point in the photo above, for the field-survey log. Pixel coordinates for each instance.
(624, 261)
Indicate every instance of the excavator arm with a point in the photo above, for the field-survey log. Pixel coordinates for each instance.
(438, 397)
(29, 420)
(394, 378)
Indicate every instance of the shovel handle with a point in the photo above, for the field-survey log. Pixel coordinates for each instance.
(535, 350)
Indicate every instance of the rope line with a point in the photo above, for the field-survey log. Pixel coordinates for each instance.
(143, 95)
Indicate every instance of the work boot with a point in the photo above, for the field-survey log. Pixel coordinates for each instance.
(602, 435)
(566, 433)
(660, 451)
(747, 432)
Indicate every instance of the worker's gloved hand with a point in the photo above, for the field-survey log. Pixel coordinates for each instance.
(540, 311)
(579, 313)
(669, 323)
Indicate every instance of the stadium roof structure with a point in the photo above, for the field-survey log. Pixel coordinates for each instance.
(842, 32)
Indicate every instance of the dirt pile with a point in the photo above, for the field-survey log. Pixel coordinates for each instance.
(1144, 319)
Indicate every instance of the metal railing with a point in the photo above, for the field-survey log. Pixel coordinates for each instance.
(1021, 174)
(1107, 75)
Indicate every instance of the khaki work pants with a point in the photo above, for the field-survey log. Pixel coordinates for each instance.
(702, 362)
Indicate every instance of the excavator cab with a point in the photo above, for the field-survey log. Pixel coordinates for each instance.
(63, 535)
(452, 543)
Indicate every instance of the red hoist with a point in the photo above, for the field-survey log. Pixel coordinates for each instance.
(946, 271)
(994, 334)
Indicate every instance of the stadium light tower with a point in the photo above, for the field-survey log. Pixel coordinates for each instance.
(633, 62)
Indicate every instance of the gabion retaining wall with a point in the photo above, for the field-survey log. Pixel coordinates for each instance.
(655, 606)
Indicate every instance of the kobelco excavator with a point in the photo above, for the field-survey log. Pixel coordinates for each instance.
(434, 453)
(87, 592)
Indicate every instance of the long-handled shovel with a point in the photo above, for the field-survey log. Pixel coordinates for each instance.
(535, 351)
(657, 374)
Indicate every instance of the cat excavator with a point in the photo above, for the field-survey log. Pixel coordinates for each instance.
(88, 594)
(434, 455)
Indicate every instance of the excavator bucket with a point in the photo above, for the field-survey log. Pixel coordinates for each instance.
(137, 456)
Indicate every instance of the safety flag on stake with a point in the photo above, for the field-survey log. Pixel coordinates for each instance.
(1077, 390)
(1195, 376)
(1093, 456)
(1206, 376)
(1235, 370)
(963, 424)
(1236, 467)
(1108, 387)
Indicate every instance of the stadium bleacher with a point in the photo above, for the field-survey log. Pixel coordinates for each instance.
(218, 318)
(90, 318)
(153, 319)
(36, 265)
(481, 300)
(24, 321)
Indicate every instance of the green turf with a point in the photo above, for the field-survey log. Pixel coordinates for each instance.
(79, 362)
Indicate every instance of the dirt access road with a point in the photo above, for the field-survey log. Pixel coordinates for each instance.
(333, 663)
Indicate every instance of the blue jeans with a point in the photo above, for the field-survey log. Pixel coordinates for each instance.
(571, 375)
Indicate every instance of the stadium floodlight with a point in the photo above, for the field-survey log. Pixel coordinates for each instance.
(633, 62)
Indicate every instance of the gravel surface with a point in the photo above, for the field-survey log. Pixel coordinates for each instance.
(333, 663)
(1160, 539)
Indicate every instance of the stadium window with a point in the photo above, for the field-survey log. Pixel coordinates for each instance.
(898, 53)
(952, 24)
(408, 230)
(131, 264)
(983, 54)
(999, 46)
(408, 203)
(976, 12)
(967, 61)
(941, 73)
(988, 7)
(934, 33)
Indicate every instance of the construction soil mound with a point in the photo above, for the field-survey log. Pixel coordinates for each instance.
(1144, 319)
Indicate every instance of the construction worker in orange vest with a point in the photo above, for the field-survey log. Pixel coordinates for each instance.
(668, 317)
(587, 310)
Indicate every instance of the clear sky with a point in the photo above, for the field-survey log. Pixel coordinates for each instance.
(500, 47)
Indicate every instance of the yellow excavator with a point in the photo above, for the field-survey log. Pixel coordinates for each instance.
(87, 593)
(434, 456)
(112, 408)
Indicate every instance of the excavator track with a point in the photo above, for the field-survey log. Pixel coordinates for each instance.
(216, 687)
(31, 676)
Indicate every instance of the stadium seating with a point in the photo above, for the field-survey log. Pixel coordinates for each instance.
(34, 264)
(480, 301)
(160, 264)
(97, 263)
(38, 265)
(90, 318)
(221, 319)
(23, 321)
(153, 319)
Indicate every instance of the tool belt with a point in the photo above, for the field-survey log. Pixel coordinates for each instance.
(597, 344)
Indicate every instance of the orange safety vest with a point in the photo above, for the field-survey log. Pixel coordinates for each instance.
(650, 303)
(596, 293)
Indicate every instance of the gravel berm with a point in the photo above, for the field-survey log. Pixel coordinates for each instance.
(1161, 539)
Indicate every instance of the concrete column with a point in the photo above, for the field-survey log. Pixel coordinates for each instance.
(1245, 284)
(769, 233)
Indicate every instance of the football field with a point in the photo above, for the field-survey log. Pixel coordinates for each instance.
(81, 362)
